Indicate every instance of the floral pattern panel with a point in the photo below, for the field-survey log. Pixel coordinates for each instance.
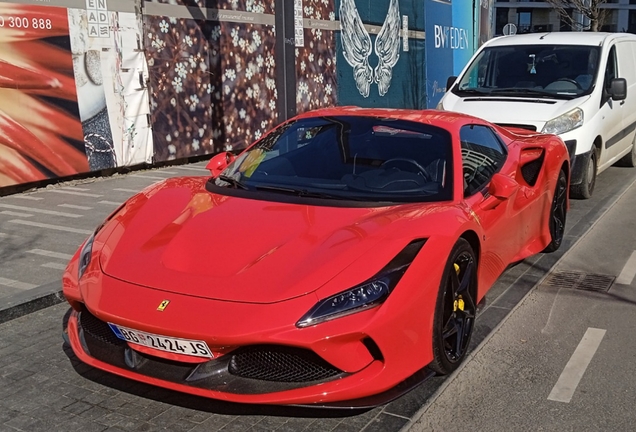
(316, 61)
(179, 65)
(213, 82)
(249, 83)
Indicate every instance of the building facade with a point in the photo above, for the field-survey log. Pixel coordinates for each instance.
(540, 16)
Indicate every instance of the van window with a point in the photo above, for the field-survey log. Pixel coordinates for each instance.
(611, 70)
(482, 156)
(557, 71)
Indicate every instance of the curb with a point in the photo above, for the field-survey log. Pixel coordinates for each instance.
(29, 301)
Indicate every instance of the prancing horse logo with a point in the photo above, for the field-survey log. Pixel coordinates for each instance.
(163, 305)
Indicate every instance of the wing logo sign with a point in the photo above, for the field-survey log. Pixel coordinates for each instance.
(357, 47)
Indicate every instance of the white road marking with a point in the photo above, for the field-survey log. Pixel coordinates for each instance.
(40, 211)
(564, 389)
(52, 227)
(27, 197)
(16, 284)
(76, 207)
(4, 235)
(109, 203)
(126, 190)
(149, 177)
(50, 254)
(56, 266)
(16, 214)
(191, 168)
(629, 271)
(70, 192)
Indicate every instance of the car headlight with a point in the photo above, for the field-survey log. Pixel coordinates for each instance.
(85, 256)
(366, 295)
(87, 249)
(564, 123)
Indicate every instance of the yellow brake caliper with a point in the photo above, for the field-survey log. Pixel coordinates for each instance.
(459, 303)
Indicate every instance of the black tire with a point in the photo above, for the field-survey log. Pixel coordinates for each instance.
(584, 189)
(558, 213)
(455, 309)
(629, 160)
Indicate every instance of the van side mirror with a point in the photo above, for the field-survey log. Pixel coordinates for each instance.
(618, 89)
(450, 82)
(219, 162)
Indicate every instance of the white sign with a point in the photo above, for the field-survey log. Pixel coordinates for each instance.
(299, 34)
(98, 19)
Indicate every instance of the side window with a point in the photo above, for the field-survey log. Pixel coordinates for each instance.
(611, 70)
(482, 156)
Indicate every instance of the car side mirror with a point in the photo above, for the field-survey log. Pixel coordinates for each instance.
(502, 187)
(219, 162)
(450, 81)
(618, 89)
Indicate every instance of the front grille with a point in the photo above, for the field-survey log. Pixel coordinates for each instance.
(98, 329)
(520, 126)
(282, 364)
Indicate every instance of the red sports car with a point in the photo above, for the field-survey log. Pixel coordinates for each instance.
(336, 261)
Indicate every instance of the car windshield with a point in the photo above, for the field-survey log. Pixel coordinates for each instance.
(555, 71)
(347, 158)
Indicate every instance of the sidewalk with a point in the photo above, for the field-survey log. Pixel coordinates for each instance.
(40, 230)
(563, 360)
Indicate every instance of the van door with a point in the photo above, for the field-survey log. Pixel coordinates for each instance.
(627, 69)
(611, 112)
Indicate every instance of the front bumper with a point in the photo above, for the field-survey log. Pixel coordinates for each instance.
(364, 352)
(579, 165)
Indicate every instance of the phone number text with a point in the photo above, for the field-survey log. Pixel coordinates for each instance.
(17, 22)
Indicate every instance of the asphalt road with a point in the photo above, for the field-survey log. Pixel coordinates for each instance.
(44, 387)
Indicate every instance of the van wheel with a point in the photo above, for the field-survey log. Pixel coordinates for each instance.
(584, 189)
(629, 160)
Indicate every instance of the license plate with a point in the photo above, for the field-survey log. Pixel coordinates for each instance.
(164, 343)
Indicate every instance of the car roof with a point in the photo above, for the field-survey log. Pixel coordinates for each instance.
(559, 38)
(443, 119)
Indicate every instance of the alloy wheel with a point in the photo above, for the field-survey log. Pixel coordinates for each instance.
(459, 308)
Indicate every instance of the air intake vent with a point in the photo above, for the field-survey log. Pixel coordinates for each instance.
(98, 329)
(281, 364)
(531, 170)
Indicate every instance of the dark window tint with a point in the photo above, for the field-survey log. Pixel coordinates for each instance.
(348, 158)
(611, 68)
(482, 156)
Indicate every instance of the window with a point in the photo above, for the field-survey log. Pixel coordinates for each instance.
(524, 21)
(482, 156)
(611, 68)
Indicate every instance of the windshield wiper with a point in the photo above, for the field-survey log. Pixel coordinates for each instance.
(301, 192)
(234, 182)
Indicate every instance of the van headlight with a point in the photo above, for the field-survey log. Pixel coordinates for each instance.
(564, 123)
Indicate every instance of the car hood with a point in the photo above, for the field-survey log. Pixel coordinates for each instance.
(237, 249)
(512, 110)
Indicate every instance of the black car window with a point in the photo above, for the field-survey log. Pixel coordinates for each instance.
(482, 156)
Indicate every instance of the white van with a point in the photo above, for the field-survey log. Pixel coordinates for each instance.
(581, 86)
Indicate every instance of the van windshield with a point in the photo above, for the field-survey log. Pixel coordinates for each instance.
(554, 71)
